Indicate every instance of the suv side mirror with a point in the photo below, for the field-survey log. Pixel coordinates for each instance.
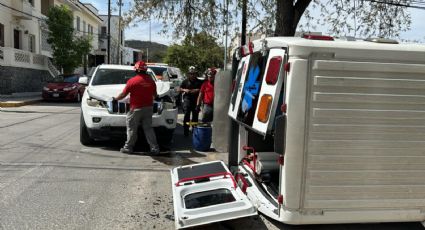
(83, 80)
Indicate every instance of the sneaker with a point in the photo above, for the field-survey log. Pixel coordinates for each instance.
(126, 150)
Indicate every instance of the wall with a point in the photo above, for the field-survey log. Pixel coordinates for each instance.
(16, 80)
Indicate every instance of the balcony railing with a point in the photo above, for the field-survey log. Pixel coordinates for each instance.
(24, 59)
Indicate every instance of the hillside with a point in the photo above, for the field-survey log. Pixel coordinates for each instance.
(157, 51)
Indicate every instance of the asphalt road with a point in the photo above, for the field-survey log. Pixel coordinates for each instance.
(48, 180)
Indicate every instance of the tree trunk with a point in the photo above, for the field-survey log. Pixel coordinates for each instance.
(288, 16)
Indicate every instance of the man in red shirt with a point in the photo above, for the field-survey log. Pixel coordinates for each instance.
(206, 96)
(142, 90)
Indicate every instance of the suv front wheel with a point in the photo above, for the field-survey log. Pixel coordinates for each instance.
(85, 138)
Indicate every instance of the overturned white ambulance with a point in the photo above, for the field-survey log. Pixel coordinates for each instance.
(328, 132)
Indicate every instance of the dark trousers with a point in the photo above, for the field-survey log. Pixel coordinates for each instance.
(189, 107)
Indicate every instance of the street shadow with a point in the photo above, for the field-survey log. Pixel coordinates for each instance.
(58, 103)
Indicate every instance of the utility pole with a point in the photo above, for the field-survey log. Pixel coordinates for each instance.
(226, 18)
(243, 33)
(150, 29)
(119, 33)
(109, 32)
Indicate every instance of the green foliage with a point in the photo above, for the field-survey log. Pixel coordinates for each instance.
(201, 51)
(68, 49)
(344, 17)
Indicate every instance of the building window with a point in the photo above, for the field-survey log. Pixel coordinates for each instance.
(31, 2)
(31, 43)
(1, 35)
(84, 26)
(17, 39)
(122, 37)
(103, 31)
(78, 23)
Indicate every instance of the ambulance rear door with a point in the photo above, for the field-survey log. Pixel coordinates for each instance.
(270, 93)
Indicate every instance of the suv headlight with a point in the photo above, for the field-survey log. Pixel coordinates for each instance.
(96, 103)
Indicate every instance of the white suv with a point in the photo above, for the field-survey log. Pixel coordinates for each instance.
(103, 119)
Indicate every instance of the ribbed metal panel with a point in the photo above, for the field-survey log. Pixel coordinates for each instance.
(366, 136)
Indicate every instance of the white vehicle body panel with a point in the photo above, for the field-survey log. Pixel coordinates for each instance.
(193, 216)
(354, 143)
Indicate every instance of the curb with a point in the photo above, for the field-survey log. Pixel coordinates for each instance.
(7, 104)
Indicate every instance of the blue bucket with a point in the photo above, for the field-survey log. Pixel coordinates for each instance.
(201, 138)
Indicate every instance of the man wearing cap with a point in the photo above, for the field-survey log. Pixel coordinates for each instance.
(142, 90)
(206, 96)
(190, 90)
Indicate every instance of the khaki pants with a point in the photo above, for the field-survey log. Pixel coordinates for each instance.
(134, 118)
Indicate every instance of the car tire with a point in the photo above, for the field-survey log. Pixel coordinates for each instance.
(85, 138)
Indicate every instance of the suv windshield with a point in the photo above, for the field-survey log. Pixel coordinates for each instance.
(112, 76)
(158, 70)
(66, 79)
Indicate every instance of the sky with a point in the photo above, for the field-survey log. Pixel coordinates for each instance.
(141, 30)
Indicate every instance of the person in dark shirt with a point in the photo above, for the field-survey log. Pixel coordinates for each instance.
(190, 90)
(142, 90)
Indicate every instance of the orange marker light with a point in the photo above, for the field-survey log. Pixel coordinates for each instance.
(264, 109)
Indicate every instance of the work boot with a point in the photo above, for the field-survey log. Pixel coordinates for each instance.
(154, 152)
(126, 150)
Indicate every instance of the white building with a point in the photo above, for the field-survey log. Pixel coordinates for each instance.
(25, 55)
(131, 55)
(24, 65)
(117, 39)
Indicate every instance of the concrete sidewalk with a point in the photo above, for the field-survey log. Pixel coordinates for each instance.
(20, 99)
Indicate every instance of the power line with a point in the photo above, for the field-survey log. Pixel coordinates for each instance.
(400, 4)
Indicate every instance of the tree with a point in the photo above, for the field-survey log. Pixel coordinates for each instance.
(370, 17)
(68, 49)
(201, 51)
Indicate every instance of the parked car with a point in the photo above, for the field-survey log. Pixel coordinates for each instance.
(64, 87)
(158, 69)
(104, 119)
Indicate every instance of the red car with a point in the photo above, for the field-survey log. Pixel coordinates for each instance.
(64, 87)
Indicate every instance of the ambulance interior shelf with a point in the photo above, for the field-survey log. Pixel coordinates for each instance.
(265, 169)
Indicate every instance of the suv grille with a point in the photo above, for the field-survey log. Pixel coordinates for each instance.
(118, 107)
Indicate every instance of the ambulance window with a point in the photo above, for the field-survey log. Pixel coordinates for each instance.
(237, 83)
(208, 198)
(251, 89)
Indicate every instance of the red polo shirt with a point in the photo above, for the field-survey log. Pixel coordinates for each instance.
(207, 89)
(142, 89)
